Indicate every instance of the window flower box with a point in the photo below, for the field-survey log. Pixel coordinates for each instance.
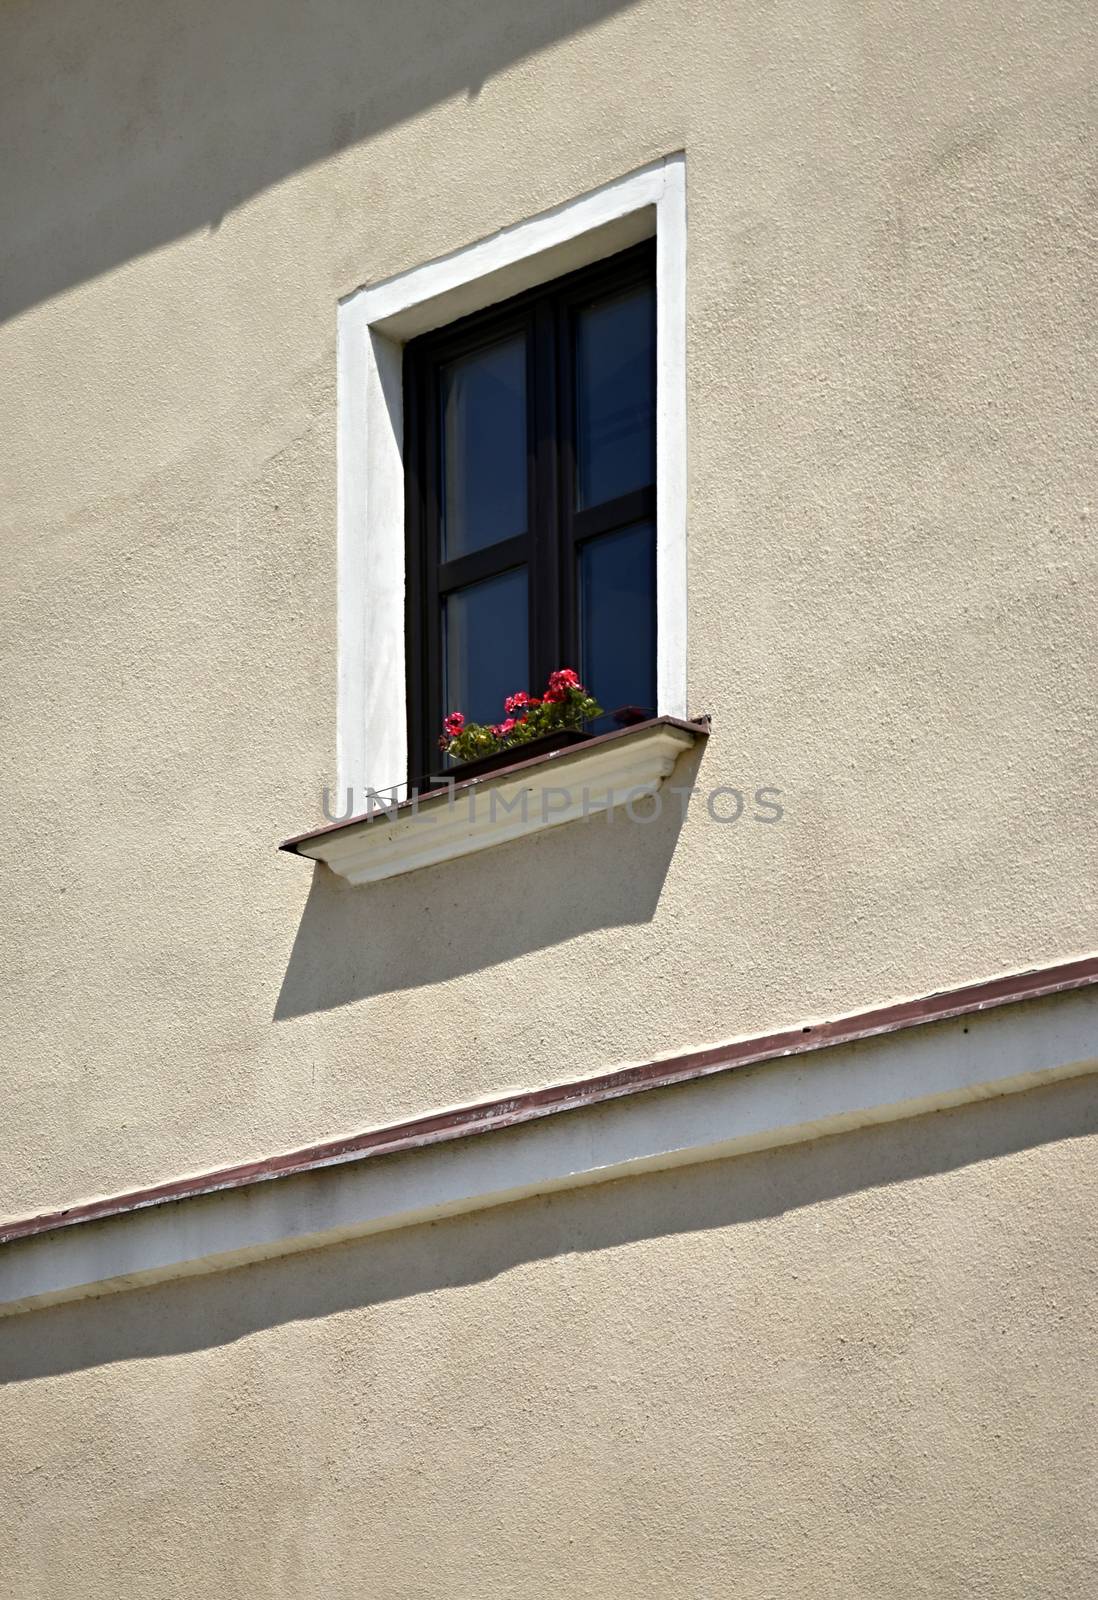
(533, 725)
(545, 745)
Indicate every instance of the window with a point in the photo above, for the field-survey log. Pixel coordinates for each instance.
(375, 324)
(530, 439)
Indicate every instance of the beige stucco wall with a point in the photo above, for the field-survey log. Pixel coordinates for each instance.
(857, 1367)
(891, 343)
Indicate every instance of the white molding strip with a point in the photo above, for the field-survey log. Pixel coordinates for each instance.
(373, 325)
(877, 1079)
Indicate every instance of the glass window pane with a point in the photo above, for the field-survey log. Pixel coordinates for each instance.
(617, 587)
(615, 396)
(485, 646)
(483, 399)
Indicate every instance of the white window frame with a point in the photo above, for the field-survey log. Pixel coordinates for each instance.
(374, 324)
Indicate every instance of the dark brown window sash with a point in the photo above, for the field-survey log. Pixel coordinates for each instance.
(554, 529)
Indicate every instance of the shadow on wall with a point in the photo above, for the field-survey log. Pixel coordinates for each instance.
(140, 124)
(205, 1312)
(355, 942)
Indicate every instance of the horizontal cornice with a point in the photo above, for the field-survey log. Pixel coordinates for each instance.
(508, 1111)
(985, 1041)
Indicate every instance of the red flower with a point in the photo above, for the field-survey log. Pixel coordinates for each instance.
(454, 724)
(505, 726)
(515, 702)
(561, 683)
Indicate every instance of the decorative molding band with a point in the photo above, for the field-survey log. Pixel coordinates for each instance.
(882, 1078)
(488, 1116)
(873, 1067)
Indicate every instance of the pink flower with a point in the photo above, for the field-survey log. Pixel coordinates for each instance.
(506, 726)
(454, 724)
(515, 702)
(561, 684)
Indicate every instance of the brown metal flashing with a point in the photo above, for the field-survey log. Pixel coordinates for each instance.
(699, 727)
(491, 1116)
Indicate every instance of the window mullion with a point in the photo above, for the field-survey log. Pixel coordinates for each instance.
(638, 505)
(481, 564)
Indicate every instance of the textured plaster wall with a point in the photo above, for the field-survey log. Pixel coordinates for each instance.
(852, 1368)
(891, 463)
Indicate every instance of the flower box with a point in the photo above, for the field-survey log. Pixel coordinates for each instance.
(557, 740)
(530, 721)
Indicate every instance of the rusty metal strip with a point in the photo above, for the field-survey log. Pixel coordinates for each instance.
(491, 1116)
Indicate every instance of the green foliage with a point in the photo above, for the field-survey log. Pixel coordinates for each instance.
(565, 704)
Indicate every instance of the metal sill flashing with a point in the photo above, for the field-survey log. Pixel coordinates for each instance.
(611, 770)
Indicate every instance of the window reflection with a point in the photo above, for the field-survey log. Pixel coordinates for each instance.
(615, 396)
(483, 399)
(485, 645)
(617, 589)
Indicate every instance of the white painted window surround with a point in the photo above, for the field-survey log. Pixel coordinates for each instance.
(374, 324)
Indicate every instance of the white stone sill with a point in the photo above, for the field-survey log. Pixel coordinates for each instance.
(612, 770)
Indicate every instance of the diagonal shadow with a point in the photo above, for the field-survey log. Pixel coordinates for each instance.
(468, 915)
(201, 1313)
(132, 125)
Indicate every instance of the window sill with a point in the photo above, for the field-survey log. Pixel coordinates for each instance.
(513, 803)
